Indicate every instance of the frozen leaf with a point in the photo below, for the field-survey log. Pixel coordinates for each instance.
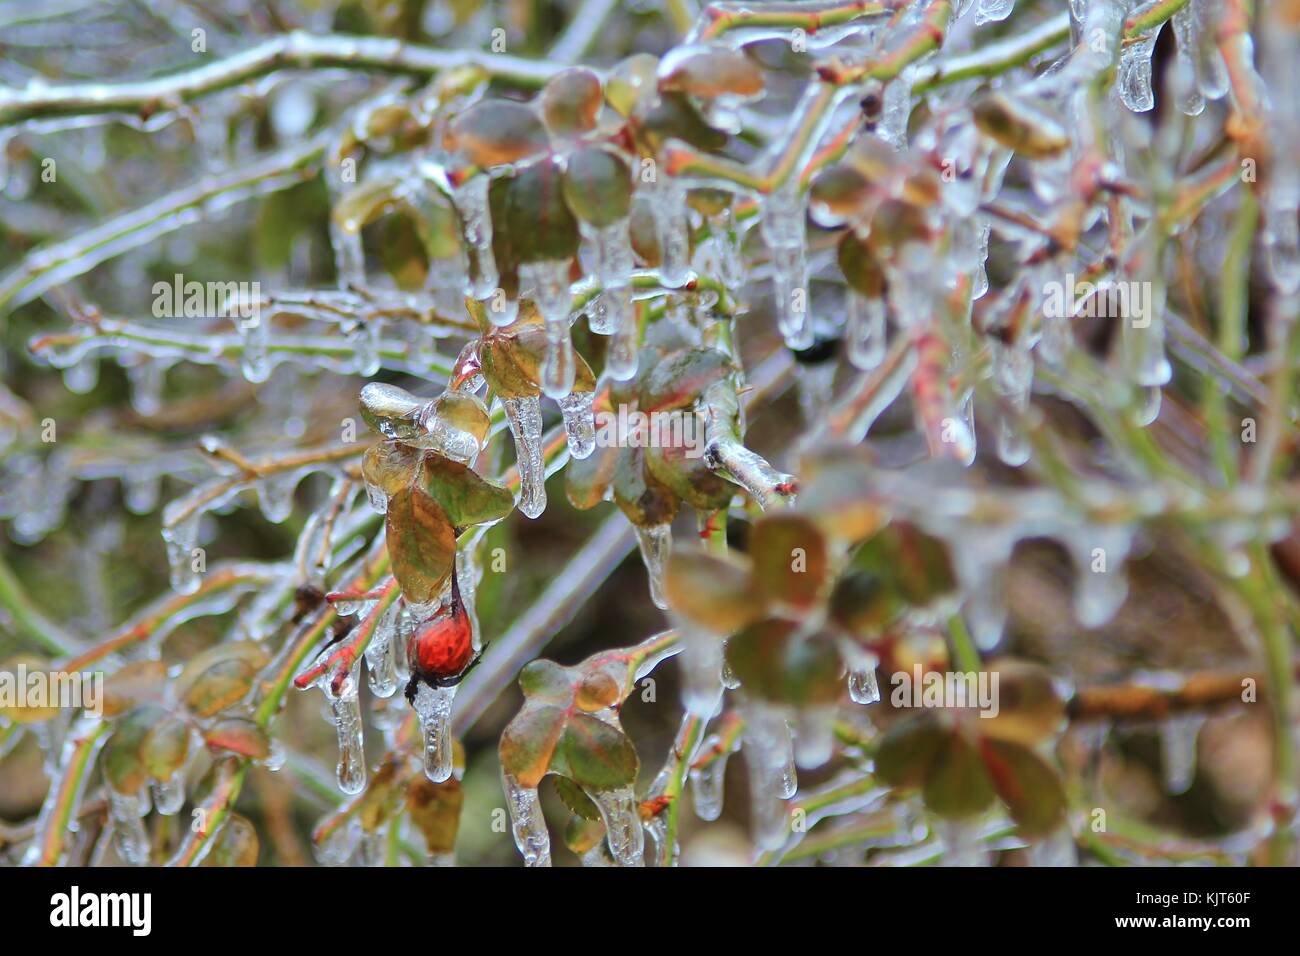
(595, 755)
(392, 412)
(1029, 787)
(908, 748)
(236, 845)
(571, 101)
(1021, 126)
(220, 677)
(790, 559)
(466, 497)
(710, 72)
(957, 785)
(864, 604)
(858, 264)
(421, 544)
(529, 741)
(711, 590)
(675, 117)
(598, 186)
(240, 736)
(389, 466)
(435, 810)
(680, 377)
(496, 132)
(682, 469)
(837, 195)
(139, 682)
(587, 480)
(631, 81)
(543, 228)
(775, 663)
(642, 498)
(1030, 710)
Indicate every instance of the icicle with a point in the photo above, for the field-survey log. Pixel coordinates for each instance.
(1055, 849)
(349, 257)
(673, 227)
(346, 710)
(339, 846)
(377, 497)
(866, 332)
(527, 822)
(1100, 586)
(961, 843)
(169, 794)
(381, 661)
(1134, 81)
(525, 415)
(579, 423)
(980, 560)
(896, 111)
(140, 492)
(620, 811)
(549, 284)
(364, 339)
(82, 376)
(1211, 72)
(725, 239)
(989, 11)
(181, 539)
(276, 757)
(1178, 751)
(863, 686)
(770, 760)
(701, 668)
(707, 782)
(125, 812)
(814, 736)
(254, 358)
(147, 386)
(1013, 378)
(656, 542)
(1282, 237)
(433, 705)
(1189, 98)
(471, 201)
(615, 263)
(275, 495)
(622, 354)
(782, 226)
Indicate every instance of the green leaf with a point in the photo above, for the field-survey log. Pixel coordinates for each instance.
(595, 755)
(908, 749)
(421, 544)
(674, 116)
(640, 497)
(598, 186)
(544, 228)
(790, 559)
(496, 132)
(712, 590)
(435, 810)
(165, 747)
(776, 663)
(390, 466)
(957, 784)
(1025, 782)
(682, 471)
(122, 761)
(1019, 125)
(240, 736)
(466, 497)
(529, 741)
(573, 797)
(587, 480)
(571, 101)
(677, 380)
(710, 71)
(222, 685)
(864, 604)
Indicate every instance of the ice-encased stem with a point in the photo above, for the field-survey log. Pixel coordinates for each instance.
(433, 705)
(525, 417)
(527, 823)
(254, 360)
(750, 470)
(620, 811)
